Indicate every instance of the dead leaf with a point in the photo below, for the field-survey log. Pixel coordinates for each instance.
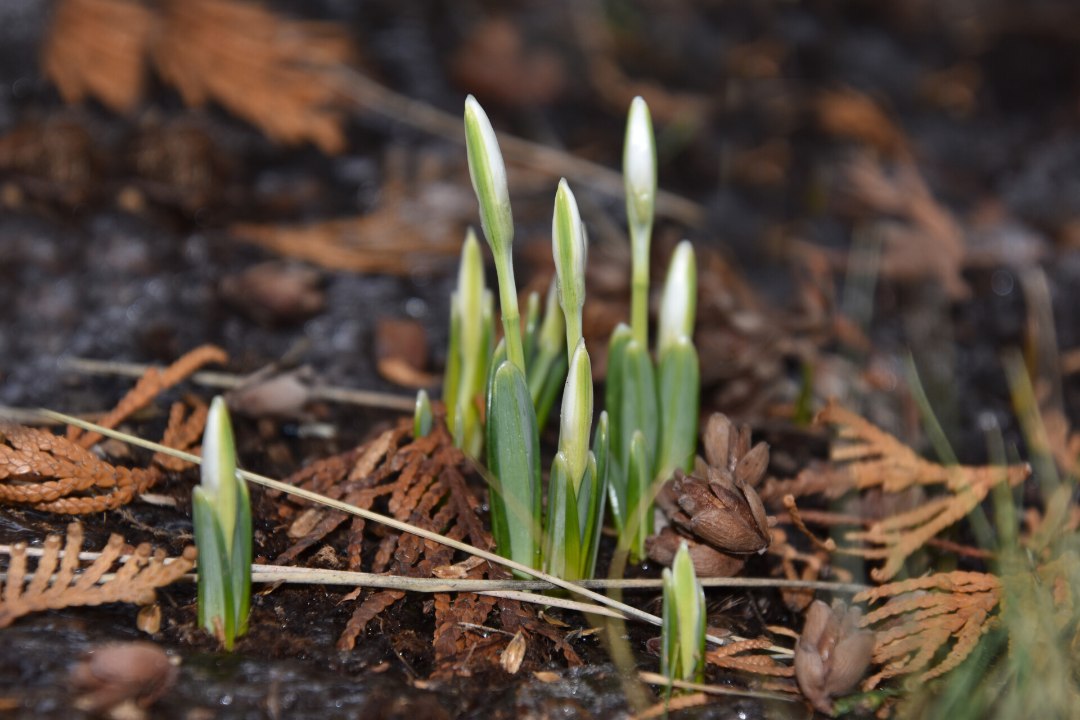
(513, 654)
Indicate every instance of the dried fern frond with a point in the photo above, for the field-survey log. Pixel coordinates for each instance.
(58, 580)
(51, 473)
(97, 48)
(754, 655)
(923, 616)
(278, 74)
(867, 457)
(58, 474)
(153, 382)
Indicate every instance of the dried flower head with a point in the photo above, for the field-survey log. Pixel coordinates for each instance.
(832, 653)
(708, 562)
(720, 510)
(724, 513)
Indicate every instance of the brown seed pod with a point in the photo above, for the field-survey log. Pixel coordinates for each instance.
(832, 653)
(115, 673)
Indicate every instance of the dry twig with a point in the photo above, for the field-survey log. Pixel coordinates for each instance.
(867, 457)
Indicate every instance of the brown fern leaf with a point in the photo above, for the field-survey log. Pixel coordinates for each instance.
(281, 75)
(59, 582)
(97, 48)
(184, 431)
(752, 656)
(150, 385)
(867, 457)
(923, 616)
(372, 606)
(284, 76)
(48, 472)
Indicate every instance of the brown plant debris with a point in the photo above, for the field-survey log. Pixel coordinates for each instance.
(150, 385)
(115, 674)
(832, 653)
(58, 581)
(718, 507)
(418, 224)
(48, 472)
(866, 457)
(923, 616)
(921, 237)
(60, 474)
(754, 655)
(281, 75)
(420, 481)
(97, 48)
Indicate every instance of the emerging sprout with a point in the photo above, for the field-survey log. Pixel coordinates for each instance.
(422, 417)
(682, 655)
(222, 515)
(639, 165)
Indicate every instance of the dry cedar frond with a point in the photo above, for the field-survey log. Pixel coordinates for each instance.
(923, 616)
(153, 382)
(920, 237)
(281, 75)
(57, 474)
(184, 431)
(60, 582)
(97, 48)
(867, 457)
(421, 481)
(752, 655)
(49, 472)
(277, 74)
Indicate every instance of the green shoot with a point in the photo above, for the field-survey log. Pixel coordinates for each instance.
(682, 654)
(513, 452)
(639, 175)
(471, 332)
(488, 175)
(222, 517)
(679, 375)
(422, 416)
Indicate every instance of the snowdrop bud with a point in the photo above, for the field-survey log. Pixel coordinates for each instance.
(678, 304)
(639, 165)
(488, 175)
(568, 248)
(218, 469)
(577, 411)
(471, 294)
